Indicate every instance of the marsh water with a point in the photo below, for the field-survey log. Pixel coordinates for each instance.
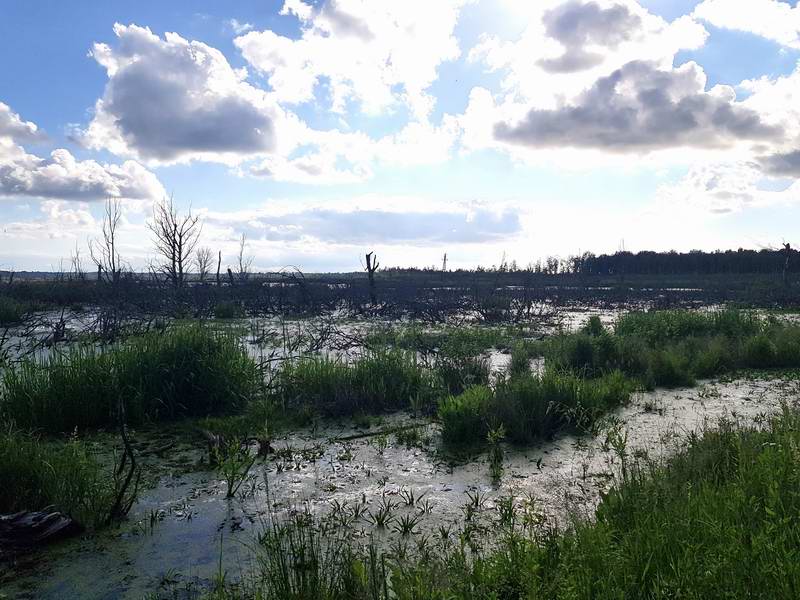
(183, 532)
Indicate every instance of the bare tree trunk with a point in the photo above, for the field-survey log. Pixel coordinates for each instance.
(372, 266)
(787, 249)
(219, 264)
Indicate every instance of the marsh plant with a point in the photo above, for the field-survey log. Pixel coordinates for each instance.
(495, 439)
(233, 464)
(187, 371)
(36, 473)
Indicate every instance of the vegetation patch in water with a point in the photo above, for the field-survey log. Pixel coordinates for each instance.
(531, 407)
(717, 520)
(36, 473)
(186, 371)
(378, 381)
(674, 348)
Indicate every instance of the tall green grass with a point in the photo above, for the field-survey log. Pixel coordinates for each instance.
(11, 311)
(187, 371)
(35, 474)
(531, 407)
(664, 325)
(378, 381)
(674, 348)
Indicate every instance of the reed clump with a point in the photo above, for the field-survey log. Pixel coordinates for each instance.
(11, 311)
(37, 473)
(378, 381)
(185, 371)
(674, 348)
(531, 407)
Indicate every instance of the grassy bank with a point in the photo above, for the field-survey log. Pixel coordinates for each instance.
(186, 371)
(719, 520)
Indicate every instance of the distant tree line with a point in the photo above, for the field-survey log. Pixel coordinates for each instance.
(674, 263)
(741, 261)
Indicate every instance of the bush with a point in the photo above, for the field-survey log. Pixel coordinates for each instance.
(669, 367)
(664, 325)
(520, 361)
(594, 326)
(188, 371)
(227, 310)
(457, 374)
(590, 355)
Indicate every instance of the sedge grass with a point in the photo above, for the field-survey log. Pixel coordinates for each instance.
(187, 371)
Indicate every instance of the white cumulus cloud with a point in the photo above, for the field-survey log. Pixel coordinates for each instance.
(774, 20)
(377, 54)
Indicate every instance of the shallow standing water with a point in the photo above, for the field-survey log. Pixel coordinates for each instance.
(183, 531)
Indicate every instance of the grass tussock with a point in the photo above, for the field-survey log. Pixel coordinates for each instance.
(36, 473)
(531, 407)
(11, 311)
(187, 371)
(378, 381)
(661, 326)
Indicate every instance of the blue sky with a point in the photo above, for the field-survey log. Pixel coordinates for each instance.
(473, 127)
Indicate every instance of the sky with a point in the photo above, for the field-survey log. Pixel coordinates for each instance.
(321, 130)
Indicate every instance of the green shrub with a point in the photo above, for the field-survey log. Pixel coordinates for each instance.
(593, 326)
(717, 356)
(669, 367)
(464, 417)
(590, 355)
(459, 373)
(664, 325)
(520, 360)
(187, 371)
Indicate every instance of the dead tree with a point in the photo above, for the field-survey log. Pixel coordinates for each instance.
(175, 238)
(104, 251)
(77, 264)
(202, 260)
(787, 250)
(219, 265)
(371, 267)
(244, 262)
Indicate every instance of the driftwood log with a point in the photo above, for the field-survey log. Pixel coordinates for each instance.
(28, 529)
